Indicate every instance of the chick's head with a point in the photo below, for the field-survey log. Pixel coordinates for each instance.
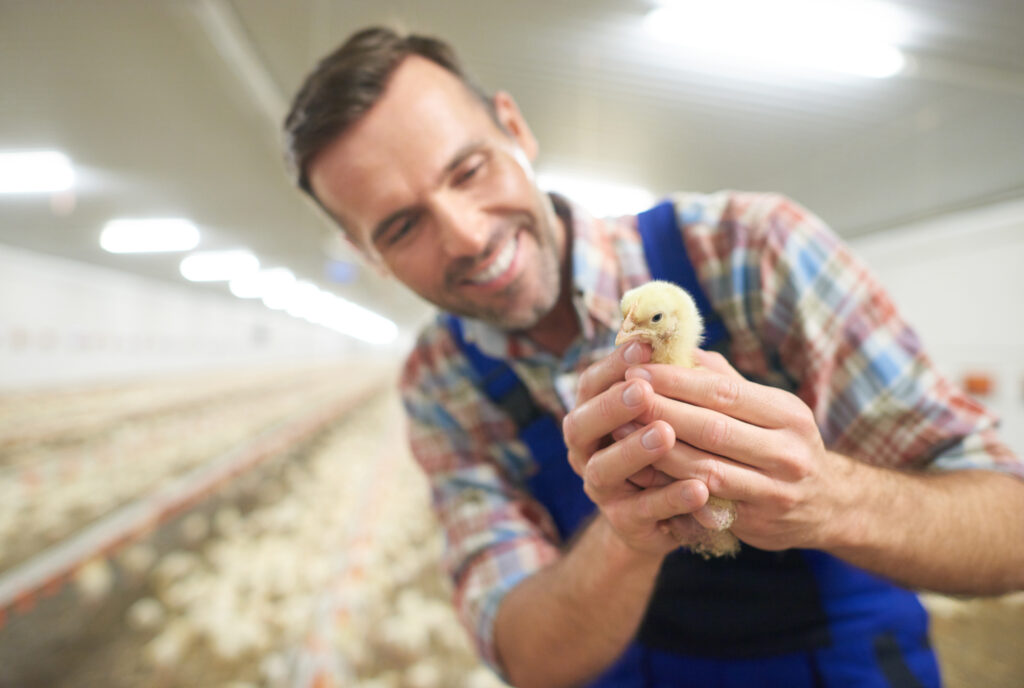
(665, 316)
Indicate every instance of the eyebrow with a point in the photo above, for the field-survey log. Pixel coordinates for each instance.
(460, 155)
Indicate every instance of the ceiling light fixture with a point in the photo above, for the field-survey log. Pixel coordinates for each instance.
(279, 290)
(35, 172)
(847, 36)
(149, 235)
(218, 266)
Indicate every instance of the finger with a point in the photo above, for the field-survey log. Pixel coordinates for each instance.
(724, 477)
(717, 434)
(608, 470)
(660, 503)
(625, 430)
(756, 404)
(610, 369)
(598, 417)
(649, 476)
(685, 530)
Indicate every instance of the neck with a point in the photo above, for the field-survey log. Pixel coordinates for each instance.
(556, 331)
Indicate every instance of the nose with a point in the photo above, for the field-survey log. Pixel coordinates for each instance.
(462, 228)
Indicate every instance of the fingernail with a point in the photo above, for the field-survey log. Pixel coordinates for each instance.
(640, 372)
(633, 353)
(687, 495)
(651, 439)
(633, 395)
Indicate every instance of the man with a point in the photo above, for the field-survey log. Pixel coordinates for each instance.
(431, 179)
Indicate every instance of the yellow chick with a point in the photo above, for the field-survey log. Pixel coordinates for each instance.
(665, 316)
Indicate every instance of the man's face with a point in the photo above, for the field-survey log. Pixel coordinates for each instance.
(427, 180)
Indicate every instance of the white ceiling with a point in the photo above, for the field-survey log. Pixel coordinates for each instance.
(173, 108)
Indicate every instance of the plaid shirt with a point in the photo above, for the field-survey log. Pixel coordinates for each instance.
(802, 314)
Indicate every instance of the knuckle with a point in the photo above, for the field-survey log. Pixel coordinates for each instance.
(587, 385)
(570, 429)
(715, 432)
(791, 458)
(644, 507)
(606, 405)
(594, 475)
(713, 475)
(613, 511)
(797, 414)
(723, 390)
(785, 501)
(576, 463)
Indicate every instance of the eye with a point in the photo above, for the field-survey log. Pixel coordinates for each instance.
(656, 317)
(398, 230)
(467, 175)
(476, 164)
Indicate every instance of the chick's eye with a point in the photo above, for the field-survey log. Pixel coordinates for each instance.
(656, 317)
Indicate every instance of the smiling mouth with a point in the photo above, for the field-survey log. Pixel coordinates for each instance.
(501, 263)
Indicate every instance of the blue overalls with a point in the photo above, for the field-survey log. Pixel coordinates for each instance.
(788, 619)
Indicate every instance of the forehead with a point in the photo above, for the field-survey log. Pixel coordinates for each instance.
(394, 152)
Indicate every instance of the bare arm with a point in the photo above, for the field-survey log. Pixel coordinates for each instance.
(568, 622)
(958, 532)
(572, 619)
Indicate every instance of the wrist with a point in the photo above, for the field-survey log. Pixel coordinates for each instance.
(858, 490)
(618, 554)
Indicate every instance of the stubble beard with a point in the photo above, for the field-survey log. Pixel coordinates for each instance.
(548, 283)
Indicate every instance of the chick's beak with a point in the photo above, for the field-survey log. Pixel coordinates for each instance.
(626, 331)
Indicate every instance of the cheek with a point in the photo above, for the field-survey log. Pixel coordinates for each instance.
(421, 268)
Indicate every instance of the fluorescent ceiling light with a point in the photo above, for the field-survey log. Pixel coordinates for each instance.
(276, 287)
(258, 285)
(602, 199)
(35, 172)
(305, 300)
(279, 290)
(355, 321)
(218, 266)
(153, 235)
(848, 36)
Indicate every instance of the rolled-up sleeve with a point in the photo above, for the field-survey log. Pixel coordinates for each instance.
(496, 535)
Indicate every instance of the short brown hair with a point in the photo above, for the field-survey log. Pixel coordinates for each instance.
(348, 82)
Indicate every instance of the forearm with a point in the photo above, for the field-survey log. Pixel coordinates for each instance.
(959, 532)
(571, 620)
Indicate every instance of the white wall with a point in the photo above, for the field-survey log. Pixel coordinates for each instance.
(63, 322)
(959, 281)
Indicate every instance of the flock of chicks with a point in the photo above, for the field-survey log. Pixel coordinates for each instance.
(336, 555)
(324, 549)
(91, 466)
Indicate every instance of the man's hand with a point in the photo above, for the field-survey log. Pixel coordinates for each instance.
(753, 444)
(605, 403)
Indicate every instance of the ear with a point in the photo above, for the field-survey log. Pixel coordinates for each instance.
(515, 124)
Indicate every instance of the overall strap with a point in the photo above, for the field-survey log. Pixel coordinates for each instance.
(554, 484)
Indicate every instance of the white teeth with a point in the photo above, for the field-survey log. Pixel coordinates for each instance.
(501, 263)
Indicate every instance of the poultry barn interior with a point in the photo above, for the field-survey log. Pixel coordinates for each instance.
(204, 486)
